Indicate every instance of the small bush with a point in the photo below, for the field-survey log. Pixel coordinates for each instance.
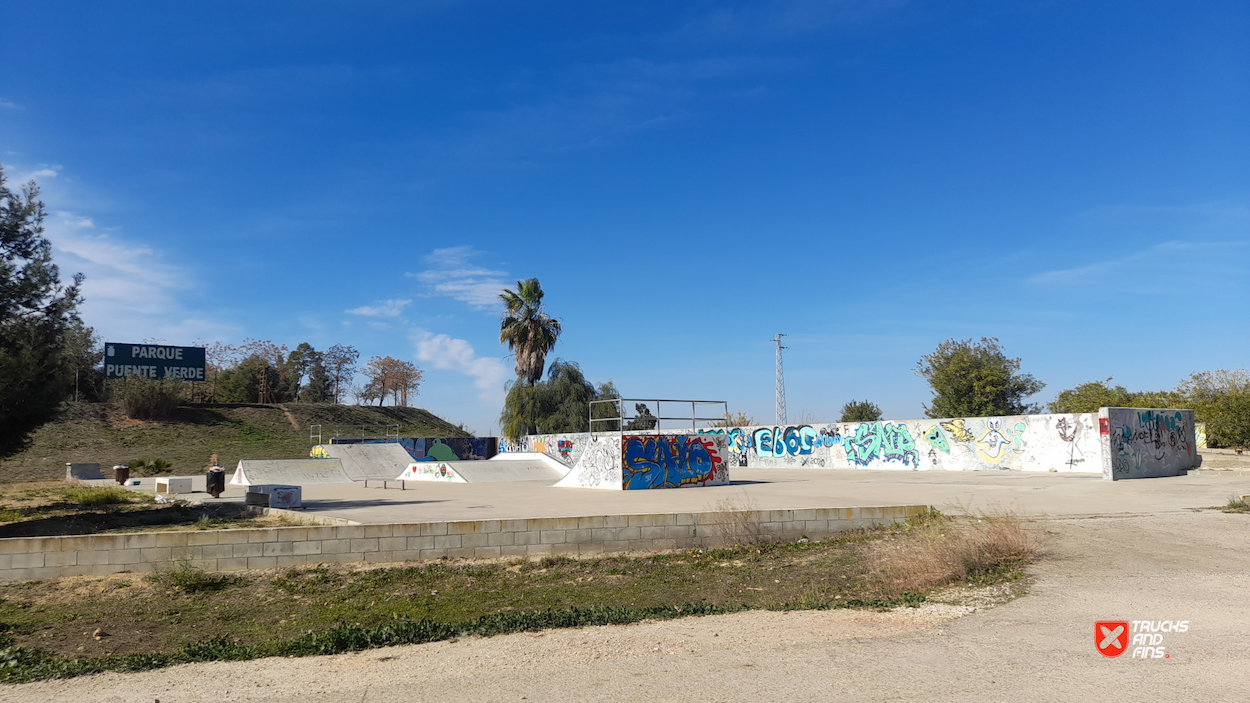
(144, 399)
(736, 522)
(1237, 504)
(148, 467)
(185, 576)
(87, 496)
(935, 550)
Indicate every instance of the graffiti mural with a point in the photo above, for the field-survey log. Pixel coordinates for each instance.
(882, 441)
(668, 461)
(1143, 443)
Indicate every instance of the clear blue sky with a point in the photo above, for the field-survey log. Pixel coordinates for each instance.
(686, 180)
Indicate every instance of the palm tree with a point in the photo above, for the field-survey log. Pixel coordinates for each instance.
(527, 329)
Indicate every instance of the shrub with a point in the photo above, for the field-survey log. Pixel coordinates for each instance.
(186, 576)
(1227, 417)
(1237, 504)
(736, 523)
(147, 467)
(143, 398)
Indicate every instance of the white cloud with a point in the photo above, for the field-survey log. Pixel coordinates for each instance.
(448, 353)
(382, 308)
(454, 277)
(9, 105)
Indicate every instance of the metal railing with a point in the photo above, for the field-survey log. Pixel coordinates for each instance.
(317, 433)
(644, 421)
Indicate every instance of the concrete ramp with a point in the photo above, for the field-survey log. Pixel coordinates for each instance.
(481, 471)
(534, 457)
(362, 461)
(290, 472)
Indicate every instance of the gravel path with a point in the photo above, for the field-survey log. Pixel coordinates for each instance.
(1178, 566)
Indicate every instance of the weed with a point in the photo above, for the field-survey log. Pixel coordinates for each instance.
(737, 522)
(186, 576)
(87, 496)
(7, 515)
(939, 549)
(1237, 504)
(148, 467)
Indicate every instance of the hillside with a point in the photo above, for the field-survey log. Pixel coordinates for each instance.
(100, 432)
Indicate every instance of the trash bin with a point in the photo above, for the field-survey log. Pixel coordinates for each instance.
(121, 473)
(216, 481)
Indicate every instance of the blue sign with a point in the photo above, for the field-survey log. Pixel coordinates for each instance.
(155, 361)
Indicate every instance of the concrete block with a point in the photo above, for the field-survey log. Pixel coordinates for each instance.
(627, 534)
(552, 536)
(537, 549)
(565, 549)
(293, 534)
(377, 531)
(262, 535)
(563, 523)
(143, 567)
(486, 552)
(579, 536)
(38, 544)
(217, 551)
(93, 556)
(289, 560)
(678, 532)
(156, 554)
(686, 519)
(815, 528)
(514, 525)
(656, 532)
(489, 526)
(365, 545)
(873, 513)
(247, 550)
(75, 544)
(410, 530)
(233, 536)
(615, 546)
(76, 570)
(434, 528)
(336, 546)
(202, 537)
(390, 544)
(323, 532)
(106, 569)
(515, 550)
(804, 514)
(306, 548)
(125, 556)
(419, 543)
(644, 521)
(232, 564)
(542, 523)
(262, 562)
(406, 555)
(6, 563)
(602, 534)
(616, 521)
(277, 549)
(460, 553)
(60, 559)
(591, 522)
(172, 539)
(474, 540)
(142, 540)
(523, 538)
(448, 542)
(500, 539)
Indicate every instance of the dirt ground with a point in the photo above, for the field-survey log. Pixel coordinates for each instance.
(1191, 566)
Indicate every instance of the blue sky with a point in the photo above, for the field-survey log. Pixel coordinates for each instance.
(686, 180)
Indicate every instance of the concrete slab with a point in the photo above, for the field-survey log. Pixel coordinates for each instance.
(772, 489)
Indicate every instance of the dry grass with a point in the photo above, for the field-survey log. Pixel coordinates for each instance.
(736, 522)
(1237, 504)
(935, 549)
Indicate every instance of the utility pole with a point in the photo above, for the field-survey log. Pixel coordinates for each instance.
(781, 383)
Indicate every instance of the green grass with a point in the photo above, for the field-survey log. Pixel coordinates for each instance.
(97, 432)
(90, 496)
(188, 578)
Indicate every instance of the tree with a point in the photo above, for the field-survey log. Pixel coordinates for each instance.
(1221, 400)
(393, 376)
(976, 379)
(734, 419)
(253, 380)
(527, 329)
(36, 313)
(340, 364)
(860, 411)
(1088, 397)
(559, 404)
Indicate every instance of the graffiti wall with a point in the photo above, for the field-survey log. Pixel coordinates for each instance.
(438, 448)
(597, 464)
(1144, 443)
(564, 448)
(430, 471)
(1009, 443)
(672, 461)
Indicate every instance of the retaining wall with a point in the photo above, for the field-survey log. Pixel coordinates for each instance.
(26, 558)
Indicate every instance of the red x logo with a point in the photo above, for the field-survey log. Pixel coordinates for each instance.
(1111, 637)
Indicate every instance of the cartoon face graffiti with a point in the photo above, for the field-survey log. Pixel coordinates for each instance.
(957, 430)
(938, 440)
(993, 439)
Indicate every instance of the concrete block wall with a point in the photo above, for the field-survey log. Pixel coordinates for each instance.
(27, 558)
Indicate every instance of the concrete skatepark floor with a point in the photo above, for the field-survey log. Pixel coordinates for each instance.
(1030, 493)
(1173, 566)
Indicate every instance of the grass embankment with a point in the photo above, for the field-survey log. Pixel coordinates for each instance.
(131, 623)
(52, 508)
(100, 432)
